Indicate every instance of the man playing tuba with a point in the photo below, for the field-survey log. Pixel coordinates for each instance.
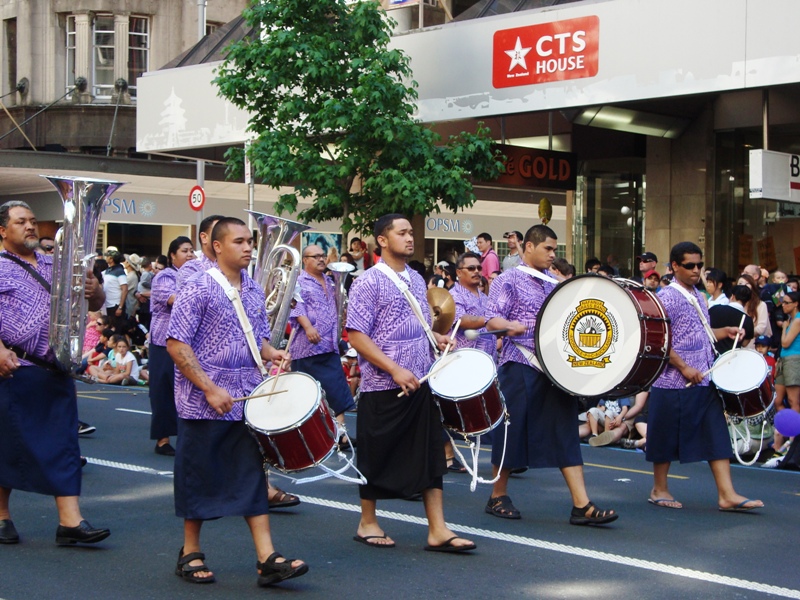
(38, 403)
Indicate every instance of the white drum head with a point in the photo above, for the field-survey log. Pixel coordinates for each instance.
(738, 371)
(273, 414)
(462, 377)
(588, 336)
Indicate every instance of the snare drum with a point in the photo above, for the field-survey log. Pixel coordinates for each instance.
(467, 392)
(741, 377)
(601, 337)
(295, 429)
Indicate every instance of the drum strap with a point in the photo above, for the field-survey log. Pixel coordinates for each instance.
(537, 274)
(415, 307)
(696, 305)
(233, 295)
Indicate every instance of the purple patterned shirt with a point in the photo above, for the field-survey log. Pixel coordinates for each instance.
(25, 307)
(689, 340)
(474, 305)
(164, 284)
(318, 307)
(379, 310)
(517, 296)
(191, 267)
(204, 318)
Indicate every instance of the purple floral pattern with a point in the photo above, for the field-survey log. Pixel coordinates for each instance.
(189, 268)
(164, 284)
(379, 310)
(319, 307)
(517, 296)
(468, 303)
(689, 340)
(204, 318)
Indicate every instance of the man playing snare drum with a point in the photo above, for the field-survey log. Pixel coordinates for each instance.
(542, 432)
(400, 446)
(218, 464)
(700, 432)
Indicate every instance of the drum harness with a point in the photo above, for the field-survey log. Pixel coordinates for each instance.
(233, 295)
(474, 446)
(735, 434)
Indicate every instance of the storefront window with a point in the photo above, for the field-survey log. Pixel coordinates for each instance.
(609, 214)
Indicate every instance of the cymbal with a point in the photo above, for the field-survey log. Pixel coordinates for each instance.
(443, 309)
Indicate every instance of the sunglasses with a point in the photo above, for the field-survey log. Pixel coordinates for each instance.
(692, 266)
(471, 268)
(48, 248)
(787, 302)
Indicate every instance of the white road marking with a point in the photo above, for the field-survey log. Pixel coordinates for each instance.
(130, 410)
(526, 541)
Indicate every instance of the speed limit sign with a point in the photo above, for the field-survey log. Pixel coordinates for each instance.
(197, 198)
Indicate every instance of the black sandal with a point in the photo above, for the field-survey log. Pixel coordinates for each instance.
(270, 572)
(187, 571)
(502, 507)
(595, 515)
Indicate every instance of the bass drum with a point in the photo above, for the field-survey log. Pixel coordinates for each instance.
(601, 337)
(295, 428)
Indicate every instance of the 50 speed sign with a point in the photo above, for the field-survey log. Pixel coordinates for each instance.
(197, 198)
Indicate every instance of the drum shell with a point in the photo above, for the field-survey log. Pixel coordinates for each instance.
(749, 405)
(303, 444)
(742, 379)
(477, 412)
(651, 356)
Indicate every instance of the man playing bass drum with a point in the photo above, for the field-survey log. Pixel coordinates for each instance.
(542, 432)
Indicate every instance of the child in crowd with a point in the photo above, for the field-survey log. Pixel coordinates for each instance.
(122, 368)
(608, 414)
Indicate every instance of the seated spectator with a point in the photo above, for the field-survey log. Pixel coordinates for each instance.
(99, 352)
(124, 370)
(562, 269)
(635, 421)
(351, 370)
(607, 415)
(606, 270)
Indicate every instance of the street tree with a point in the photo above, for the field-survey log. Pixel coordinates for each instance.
(333, 109)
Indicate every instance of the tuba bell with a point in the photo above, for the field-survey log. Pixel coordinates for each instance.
(339, 270)
(75, 243)
(277, 267)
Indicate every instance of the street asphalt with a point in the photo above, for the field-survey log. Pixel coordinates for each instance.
(650, 552)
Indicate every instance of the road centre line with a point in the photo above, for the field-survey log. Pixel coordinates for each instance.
(616, 559)
(130, 410)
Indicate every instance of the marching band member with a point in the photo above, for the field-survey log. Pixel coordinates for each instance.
(206, 258)
(38, 404)
(542, 432)
(218, 464)
(399, 438)
(315, 346)
(688, 423)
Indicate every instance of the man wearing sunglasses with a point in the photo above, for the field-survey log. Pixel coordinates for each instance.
(685, 417)
(315, 348)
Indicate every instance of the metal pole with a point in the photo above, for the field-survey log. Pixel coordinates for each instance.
(765, 118)
(201, 165)
(201, 19)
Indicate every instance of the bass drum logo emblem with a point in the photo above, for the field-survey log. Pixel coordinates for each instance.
(590, 335)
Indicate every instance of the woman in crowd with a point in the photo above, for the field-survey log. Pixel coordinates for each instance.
(715, 284)
(755, 309)
(164, 419)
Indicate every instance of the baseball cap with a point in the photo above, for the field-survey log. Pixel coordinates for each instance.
(648, 256)
(110, 250)
(763, 340)
(442, 263)
(351, 353)
(652, 272)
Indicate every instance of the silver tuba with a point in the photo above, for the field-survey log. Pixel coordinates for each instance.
(277, 267)
(339, 271)
(74, 253)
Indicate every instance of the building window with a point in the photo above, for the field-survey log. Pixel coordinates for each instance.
(103, 56)
(138, 50)
(71, 41)
(106, 48)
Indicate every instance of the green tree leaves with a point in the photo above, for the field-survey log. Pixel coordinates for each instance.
(332, 116)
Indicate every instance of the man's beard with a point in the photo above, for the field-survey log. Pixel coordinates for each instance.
(31, 244)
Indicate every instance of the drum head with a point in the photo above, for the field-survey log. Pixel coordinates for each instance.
(588, 335)
(739, 371)
(273, 414)
(469, 374)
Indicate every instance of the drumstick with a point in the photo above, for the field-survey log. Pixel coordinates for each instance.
(433, 372)
(242, 399)
(452, 338)
(736, 339)
(283, 360)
